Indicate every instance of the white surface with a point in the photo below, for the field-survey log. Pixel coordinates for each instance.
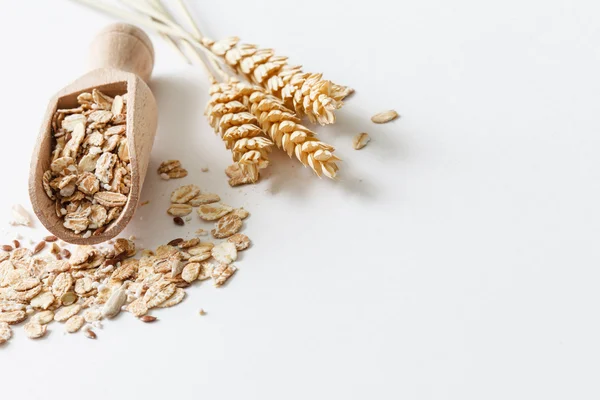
(455, 259)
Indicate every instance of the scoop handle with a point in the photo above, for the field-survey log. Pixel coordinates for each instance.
(124, 47)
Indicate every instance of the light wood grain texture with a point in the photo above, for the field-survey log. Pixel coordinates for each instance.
(122, 55)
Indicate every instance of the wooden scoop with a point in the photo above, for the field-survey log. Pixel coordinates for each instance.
(122, 58)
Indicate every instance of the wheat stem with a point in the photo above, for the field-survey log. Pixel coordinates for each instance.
(198, 35)
(173, 31)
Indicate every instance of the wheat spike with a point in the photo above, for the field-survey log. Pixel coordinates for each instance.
(306, 93)
(283, 126)
(238, 128)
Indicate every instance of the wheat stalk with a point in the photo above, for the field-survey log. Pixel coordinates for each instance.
(284, 128)
(238, 128)
(306, 93)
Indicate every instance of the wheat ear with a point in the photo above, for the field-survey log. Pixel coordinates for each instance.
(283, 126)
(306, 93)
(239, 128)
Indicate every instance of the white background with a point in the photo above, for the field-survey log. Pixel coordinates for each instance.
(456, 258)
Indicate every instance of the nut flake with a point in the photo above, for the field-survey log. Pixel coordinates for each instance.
(225, 252)
(20, 216)
(212, 212)
(34, 330)
(184, 194)
(227, 226)
(114, 303)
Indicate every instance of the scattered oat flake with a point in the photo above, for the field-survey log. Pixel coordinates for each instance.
(175, 299)
(164, 177)
(227, 226)
(212, 212)
(74, 323)
(13, 317)
(360, 140)
(241, 212)
(206, 198)
(179, 210)
(221, 273)
(34, 330)
(184, 194)
(385, 116)
(190, 272)
(137, 307)
(5, 332)
(43, 317)
(241, 241)
(67, 312)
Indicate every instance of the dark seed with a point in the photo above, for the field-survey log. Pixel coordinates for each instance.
(66, 253)
(16, 243)
(39, 247)
(175, 242)
(178, 221)
(51, 238)
(99, 231)
(182, 285)
(90, 334)
(147, 318)
(7, 247)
